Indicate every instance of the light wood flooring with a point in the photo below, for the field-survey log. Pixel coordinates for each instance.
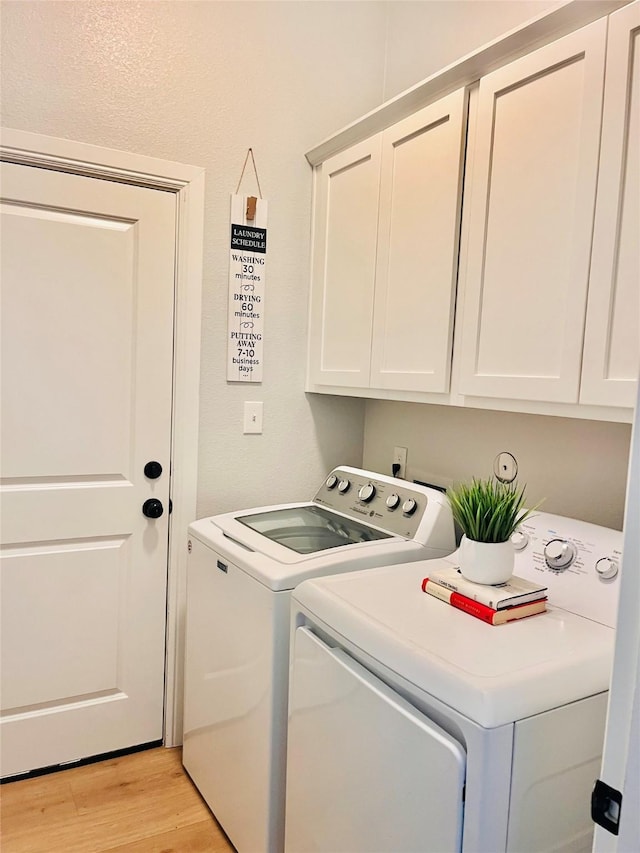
(141, 803)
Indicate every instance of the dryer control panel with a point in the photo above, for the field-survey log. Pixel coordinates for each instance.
(577, 561)
(397, 506)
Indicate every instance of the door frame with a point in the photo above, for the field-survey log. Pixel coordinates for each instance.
(187, 182)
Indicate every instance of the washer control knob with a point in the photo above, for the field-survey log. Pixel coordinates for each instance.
(606, 568)
(344, 486)
(559, 554)
(520, 540)
(367, 493)
(331, 481)
(393, 501)
(409, 506)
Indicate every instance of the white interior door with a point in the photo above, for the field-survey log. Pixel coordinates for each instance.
(87, 332)
(621, 756)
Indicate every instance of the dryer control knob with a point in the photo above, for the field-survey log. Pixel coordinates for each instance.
(393, 501)
(520, 540)
(344, 486)
(409, 506)
(559, 554)
(331, 482)
(367, 493)
(606, 568)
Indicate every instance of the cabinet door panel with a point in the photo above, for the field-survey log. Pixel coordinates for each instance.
(612, 333)
(532, 199)
(344, 266)
(417, 248)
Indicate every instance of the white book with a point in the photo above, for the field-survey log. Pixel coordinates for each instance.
(498, 596)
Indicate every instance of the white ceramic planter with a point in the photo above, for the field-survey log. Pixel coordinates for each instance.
(486, 562)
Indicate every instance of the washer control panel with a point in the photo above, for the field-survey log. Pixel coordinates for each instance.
(578, 562)
(397, 506)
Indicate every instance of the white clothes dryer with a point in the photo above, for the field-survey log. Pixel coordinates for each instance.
(416, 728)
(241, 570)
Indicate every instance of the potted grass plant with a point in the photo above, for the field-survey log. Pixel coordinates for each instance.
(488, 512)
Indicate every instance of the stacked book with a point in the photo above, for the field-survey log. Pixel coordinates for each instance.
(495, 604)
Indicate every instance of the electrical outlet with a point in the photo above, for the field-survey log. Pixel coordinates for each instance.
(400, 458)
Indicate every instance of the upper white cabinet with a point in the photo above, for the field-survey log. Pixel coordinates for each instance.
(612, 332)
(532, 195)
(547, 306)
(417, 260)
(344, 262)
(385, 255)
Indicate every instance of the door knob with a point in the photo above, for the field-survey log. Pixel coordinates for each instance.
(152, 508)
(152, 470)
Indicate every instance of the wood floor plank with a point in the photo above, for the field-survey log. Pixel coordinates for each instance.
(203, 837)
(143, 802)
(38, 801)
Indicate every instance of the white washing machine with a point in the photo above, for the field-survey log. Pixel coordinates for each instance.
(241, 570)
(416, 727)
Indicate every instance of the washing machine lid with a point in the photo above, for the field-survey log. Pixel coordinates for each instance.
(309, 529)
(493, 674)
(258, 541)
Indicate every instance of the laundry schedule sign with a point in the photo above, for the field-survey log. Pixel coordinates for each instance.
(247, 268)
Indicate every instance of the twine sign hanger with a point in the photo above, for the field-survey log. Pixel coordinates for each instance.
(250, 213)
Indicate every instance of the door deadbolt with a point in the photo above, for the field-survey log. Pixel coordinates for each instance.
(152, 470)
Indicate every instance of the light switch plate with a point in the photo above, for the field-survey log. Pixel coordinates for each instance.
(252, 417)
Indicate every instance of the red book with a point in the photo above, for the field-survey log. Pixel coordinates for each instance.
(481, 611)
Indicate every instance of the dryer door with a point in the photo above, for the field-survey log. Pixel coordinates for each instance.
(366, 771)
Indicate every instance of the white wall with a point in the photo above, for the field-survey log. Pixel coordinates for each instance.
(425, 36)
(200, 82)
(578, 467)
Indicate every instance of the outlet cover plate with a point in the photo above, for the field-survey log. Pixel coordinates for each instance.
(400, 458)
